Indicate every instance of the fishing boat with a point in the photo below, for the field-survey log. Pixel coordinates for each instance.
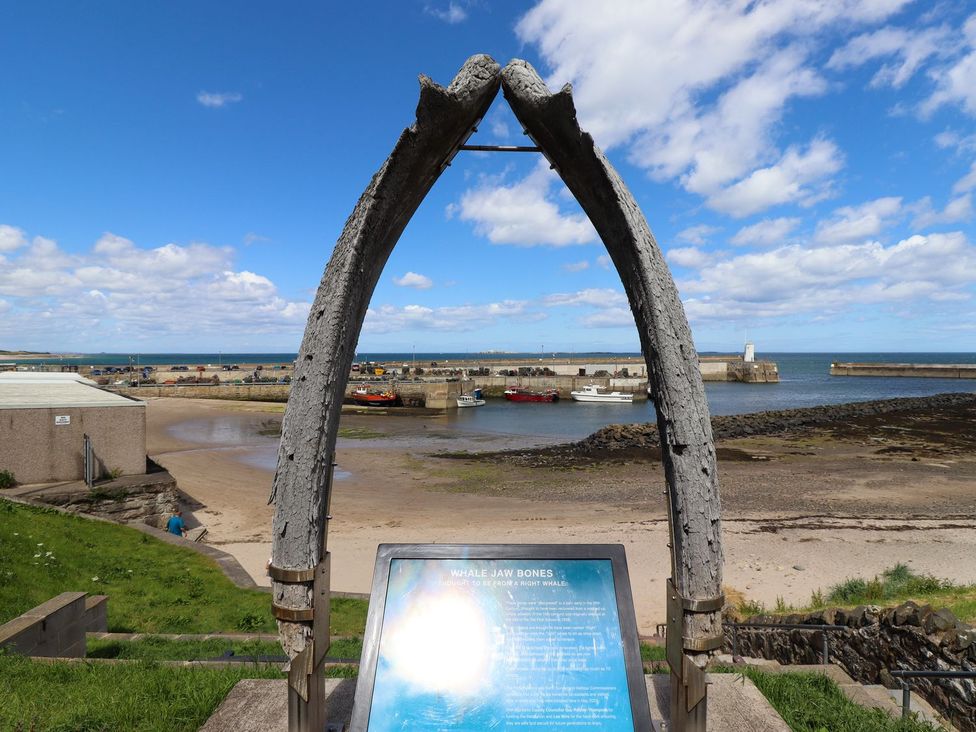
(471, 400)
(364, 397)
(520, 394)
(592, 393)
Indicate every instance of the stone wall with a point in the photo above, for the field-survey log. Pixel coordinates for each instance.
(57, 627)
(907, 637)
(150, 498)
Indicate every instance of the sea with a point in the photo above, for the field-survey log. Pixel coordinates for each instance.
(805, 381)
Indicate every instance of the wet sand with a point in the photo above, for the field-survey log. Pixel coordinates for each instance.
(800, 512)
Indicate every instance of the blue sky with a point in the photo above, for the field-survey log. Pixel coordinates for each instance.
(174, 175)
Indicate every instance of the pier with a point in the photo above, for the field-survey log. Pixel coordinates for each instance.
(915, 370)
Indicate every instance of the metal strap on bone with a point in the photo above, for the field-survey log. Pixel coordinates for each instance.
(708, 605)
(291, 576)
(292, 614)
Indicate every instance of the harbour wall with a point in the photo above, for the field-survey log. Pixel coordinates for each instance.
(441, 393)
(733, 368)
(917, 370)
(494, 386)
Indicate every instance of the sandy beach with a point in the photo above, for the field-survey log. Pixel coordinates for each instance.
(801, 511)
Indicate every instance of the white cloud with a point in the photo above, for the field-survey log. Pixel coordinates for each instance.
(910, 49)
(857, 223)
(609, 318)
(11, 238)
(794, 179)
(523, 213)
(696, 89)
(708, 149)
(118, 287)
(796, 279)
(452, 14)
(958, 209)
(460, 318)
(766, 232)
(215, 100)
(688, 257)
(577, 266)
(604, 261)
(499, 128)
(956, 82)
(592, 297)
(608, 307)
(696, 234)
(967, 182)
(412, 279)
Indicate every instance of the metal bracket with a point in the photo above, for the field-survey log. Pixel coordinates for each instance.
(707, 605)
(291, 576)
(292, 614)
(688, 685)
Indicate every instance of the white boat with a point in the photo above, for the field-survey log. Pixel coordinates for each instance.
(466, 400)
(591, 393)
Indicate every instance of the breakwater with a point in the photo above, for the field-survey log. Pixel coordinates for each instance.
(942, 418)
(916, 370)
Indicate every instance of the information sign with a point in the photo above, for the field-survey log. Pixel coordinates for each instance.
(501, 637)
(62, 419)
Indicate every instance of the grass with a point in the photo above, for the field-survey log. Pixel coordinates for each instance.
(814, 703)
(893, 586)
(652, 653)
(359, 433)
(153, 587)
(140, 697)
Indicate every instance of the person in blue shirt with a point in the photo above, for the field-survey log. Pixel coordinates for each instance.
(175, 524)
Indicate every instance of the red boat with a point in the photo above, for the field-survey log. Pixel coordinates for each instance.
(520, 394)
(363, 396)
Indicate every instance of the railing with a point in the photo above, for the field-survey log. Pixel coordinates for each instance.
(824, 629)
(906, 689)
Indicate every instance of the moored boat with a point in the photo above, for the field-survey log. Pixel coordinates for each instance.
(592, 393)
(466, 400)
(364, 397)
(520, 394)
(471, 400)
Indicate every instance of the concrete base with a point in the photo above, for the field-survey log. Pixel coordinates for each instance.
(261, 705)
(734, 704)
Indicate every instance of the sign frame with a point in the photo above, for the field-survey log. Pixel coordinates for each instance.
(626, 617)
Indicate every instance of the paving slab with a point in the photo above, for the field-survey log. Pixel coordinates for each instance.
(734, 704)
(261, 705)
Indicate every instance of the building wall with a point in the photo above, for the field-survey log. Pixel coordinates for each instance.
(36, 450)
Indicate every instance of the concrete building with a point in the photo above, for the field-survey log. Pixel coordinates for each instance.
(44, 418)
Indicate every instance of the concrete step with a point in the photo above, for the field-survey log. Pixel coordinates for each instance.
(725, 659)
(734, 704)
(922, 708)
(261, 705)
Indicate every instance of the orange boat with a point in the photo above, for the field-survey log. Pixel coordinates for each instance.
(367, 398)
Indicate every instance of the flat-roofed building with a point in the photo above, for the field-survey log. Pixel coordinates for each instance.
(44, 418)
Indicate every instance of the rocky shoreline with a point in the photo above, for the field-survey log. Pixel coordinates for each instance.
(942, 420)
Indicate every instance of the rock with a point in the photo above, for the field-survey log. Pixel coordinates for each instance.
(939, 621)
(799, 567)
(908, 613)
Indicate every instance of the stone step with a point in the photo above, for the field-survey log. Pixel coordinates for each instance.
(261, 705)
(871, 696)
(725, 659)
(921, 707)
(734, 704)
